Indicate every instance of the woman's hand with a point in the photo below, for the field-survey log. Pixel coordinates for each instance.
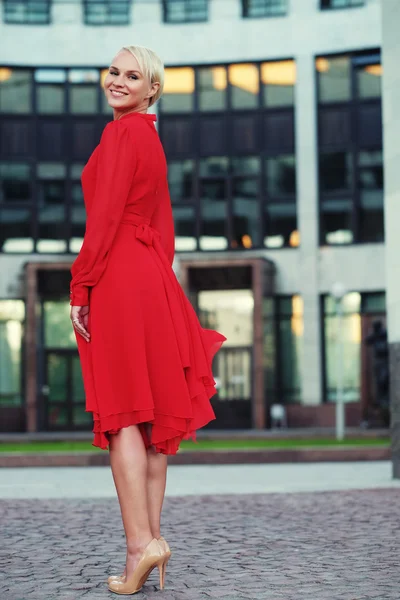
(80, 318)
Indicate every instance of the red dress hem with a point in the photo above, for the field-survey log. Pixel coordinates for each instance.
(167, 431)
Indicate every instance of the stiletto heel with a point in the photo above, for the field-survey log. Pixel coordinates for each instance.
(161, 573)
(167, 555)
(152, 557)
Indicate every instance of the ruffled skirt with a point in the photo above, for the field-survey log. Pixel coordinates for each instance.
(148, 360)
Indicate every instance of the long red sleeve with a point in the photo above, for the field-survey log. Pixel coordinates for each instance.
(115, 171)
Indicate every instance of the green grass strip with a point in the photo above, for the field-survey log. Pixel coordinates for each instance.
(245, 444)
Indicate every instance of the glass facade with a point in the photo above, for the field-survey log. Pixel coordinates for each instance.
(350, 148)
(236, 188)
(42, 155)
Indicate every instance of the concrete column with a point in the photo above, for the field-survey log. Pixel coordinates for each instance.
(307, 210)
(391, 121)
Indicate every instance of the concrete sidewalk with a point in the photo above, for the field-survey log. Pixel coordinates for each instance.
(96, 482)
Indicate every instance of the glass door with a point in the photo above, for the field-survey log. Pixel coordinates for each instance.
(231, 313)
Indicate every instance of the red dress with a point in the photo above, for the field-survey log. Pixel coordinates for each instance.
(148, 359)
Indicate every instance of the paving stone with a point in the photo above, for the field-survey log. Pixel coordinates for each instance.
(311, 546)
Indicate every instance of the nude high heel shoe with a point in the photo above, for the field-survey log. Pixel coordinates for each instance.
(167, 555)
(152, 557)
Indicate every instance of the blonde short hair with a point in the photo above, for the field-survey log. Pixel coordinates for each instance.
(151, 66)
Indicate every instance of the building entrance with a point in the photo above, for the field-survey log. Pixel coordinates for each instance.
(227, 296)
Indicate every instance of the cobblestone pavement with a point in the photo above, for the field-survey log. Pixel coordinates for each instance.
(306, 546)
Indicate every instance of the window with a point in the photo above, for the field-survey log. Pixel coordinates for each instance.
(15, 91)
(245, 83)
(236, 122)
(278, 79)
(178, 95)
(358, 312)
(212, 86)
(350, 148)
(264, 8)
(213, 195)
(27, 12)
(351, 334)
(185, 11)
(326, 4)
(107, 12)
(16, 234)
(245, 202)
(12, 315)
(51, 207)
(283, 324)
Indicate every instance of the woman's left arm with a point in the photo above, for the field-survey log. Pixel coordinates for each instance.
(115, 171)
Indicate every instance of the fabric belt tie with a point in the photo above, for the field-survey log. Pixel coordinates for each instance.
(144, 232)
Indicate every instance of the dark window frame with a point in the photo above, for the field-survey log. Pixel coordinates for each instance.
(279, 391)
(323, 314)
(108, 4)
(267, 5)
(187, 12)
(354, 147)
(327, 5)
(47, 13)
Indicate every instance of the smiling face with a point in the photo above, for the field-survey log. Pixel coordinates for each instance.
(126, 87)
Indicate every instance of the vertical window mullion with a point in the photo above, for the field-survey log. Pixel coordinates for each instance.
(355, 205)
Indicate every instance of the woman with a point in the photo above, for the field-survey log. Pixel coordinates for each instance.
(146, 361)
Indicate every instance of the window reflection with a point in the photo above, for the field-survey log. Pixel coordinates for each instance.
(212, 88)
(291, 326)
(180, 179)
(245, 165)
(246, 219)
(16, 230)
(57, 325)
(12, 314)
(51, 207)
(107, 12)
(280, 224)
(214, 166)
(28, 11)
(278, 80)
(336, 225)
(369, 79)
(78, 212)
(83, 99)
(334, 78)
(15, 90)
(336, 171)
(351, 333)
(178, 90)
(185, 228)
(244, 79)
(15, 182)
(213, 215)
(50, 99)
(371, 196)
(281, 175)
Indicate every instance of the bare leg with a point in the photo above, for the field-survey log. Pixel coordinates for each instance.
(156, 482)
(128, 458)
